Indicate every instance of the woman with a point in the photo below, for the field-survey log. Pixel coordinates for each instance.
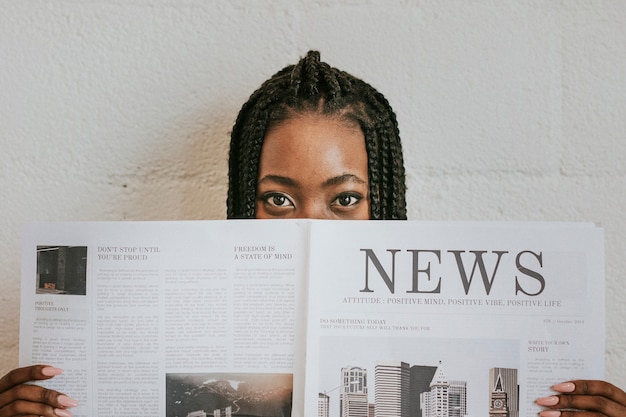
(305, 118)
(313, 142)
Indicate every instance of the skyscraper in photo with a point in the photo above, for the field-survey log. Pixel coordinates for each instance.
(392, 389)
(323, 405)
(445, 398)
(457, 399)
(353, 401)
(421, 376)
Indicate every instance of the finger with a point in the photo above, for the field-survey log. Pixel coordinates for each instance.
(584, 406)
(592, 395)
(605, 406)
(594, 388)
(558, 413)
(29, 373)
(26, 408)
(36, 394)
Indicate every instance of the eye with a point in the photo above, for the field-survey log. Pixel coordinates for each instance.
(277, 200)
(347, 199)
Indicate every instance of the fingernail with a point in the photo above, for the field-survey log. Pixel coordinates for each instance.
(62, 413)
(564, 387)
(51, 371)
(548, 401)
(550, 413)
(66, 401)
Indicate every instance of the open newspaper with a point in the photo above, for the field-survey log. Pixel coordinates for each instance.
(312, 318)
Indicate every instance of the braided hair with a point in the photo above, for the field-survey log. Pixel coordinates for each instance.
(314, 86)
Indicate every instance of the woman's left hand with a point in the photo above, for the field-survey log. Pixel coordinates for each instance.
(584, 398)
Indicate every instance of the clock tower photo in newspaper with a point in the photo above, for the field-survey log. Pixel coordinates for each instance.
(503, 392)
(499, 400)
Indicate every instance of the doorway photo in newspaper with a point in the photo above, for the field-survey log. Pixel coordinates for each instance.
(61, 270)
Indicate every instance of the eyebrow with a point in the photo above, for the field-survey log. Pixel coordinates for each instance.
(286, 181)
(341, 179)
(290, 182)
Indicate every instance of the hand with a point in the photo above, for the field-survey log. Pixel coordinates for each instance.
(19, 398)
(584, 398)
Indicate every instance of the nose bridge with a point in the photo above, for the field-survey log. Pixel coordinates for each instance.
(312, 208)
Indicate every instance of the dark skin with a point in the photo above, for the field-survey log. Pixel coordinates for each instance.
(313, 166)
(588, 397)
(322, 175)
(17, 398)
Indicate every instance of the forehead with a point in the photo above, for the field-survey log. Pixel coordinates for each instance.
(314, 144)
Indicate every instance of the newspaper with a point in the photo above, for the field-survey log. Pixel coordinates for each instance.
(312, 318)
(450, 319)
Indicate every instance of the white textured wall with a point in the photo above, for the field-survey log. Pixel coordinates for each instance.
(115, 110)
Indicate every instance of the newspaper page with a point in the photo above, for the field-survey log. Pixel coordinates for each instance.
(166, 318)
(450, 319)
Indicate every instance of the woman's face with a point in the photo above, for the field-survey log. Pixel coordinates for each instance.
(313, 166)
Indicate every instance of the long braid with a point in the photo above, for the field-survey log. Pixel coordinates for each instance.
(312, 85)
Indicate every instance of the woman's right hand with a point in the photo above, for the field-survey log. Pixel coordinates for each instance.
(18, 398)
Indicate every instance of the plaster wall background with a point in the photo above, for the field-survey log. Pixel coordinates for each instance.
(114, 110)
